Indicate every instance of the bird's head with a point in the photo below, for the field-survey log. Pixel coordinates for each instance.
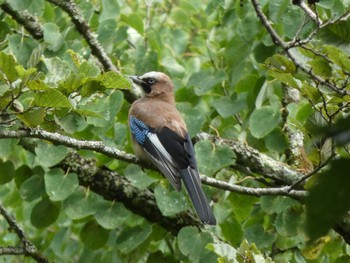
(154, 83)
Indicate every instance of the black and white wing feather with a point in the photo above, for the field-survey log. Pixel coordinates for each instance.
(174, 157)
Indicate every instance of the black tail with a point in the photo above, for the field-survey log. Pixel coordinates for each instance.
(193, 186)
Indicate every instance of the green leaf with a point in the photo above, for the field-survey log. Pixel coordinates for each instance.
(57, 69)
(280, 63)
(304, 112)
(211, 159)
(134, 21)
(137, 177)
(329, 199)
(338, 57)
(59, 185)
(72, 122)
(263, 121)
(225, 252)
(51, 98)
(35, 57)
(131, 238)
(89, 69)
(72, 83)
(227, 107)
(44, 213)
(107, 107)
(7, 64)
(193, 117)
(232, 230)
(246, 83)
(7, 172)
(291, 222)
(80, 205)
(110, 9)
(276, 141)
(53, 37)
(192, 243)
(21, 47)
(113, 80)
(7, 146)
(250, 253)
(169, 202)
(48, 155)
(34, 186)
(286, 78)
(93, 235)
(37, 84)
(22, 174)
(257, 235)
(203, 81)
(111, 215)
(321, 67)
(33, 117)
(242, 205)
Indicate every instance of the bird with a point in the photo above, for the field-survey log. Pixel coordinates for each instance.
(159, 135)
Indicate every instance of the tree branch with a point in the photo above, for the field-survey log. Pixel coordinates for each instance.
(112, 186)
(257, 162)
(287, 49)
(26, 246)
(246, 156)
(31, 24)
(258, 192)
(83, 28)
(57, 138)
(308, 11)
(27, 20)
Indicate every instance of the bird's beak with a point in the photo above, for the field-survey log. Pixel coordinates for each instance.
(137, 80)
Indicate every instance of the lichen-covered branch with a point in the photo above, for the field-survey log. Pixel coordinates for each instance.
(257, 162)
(246, 156)
(26, 247)
(27, 20)
(55, 137)
(115, 187)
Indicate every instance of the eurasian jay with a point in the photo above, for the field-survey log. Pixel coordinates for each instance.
(159, 135)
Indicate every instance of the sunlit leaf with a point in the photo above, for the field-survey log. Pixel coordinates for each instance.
(263, 121)
(51, 98)
(134, 21)
(59, 185)
(170, 202)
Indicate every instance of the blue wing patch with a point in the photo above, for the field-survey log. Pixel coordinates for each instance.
(139, 130)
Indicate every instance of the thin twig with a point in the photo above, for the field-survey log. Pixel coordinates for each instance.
(309, 12)
(286, 47)
(26, 246)
(83, 28)
(284, 191)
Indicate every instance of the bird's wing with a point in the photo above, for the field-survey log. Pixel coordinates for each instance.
(163, 147)
(174, 157)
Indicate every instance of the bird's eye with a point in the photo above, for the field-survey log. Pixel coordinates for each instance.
(151, 81)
